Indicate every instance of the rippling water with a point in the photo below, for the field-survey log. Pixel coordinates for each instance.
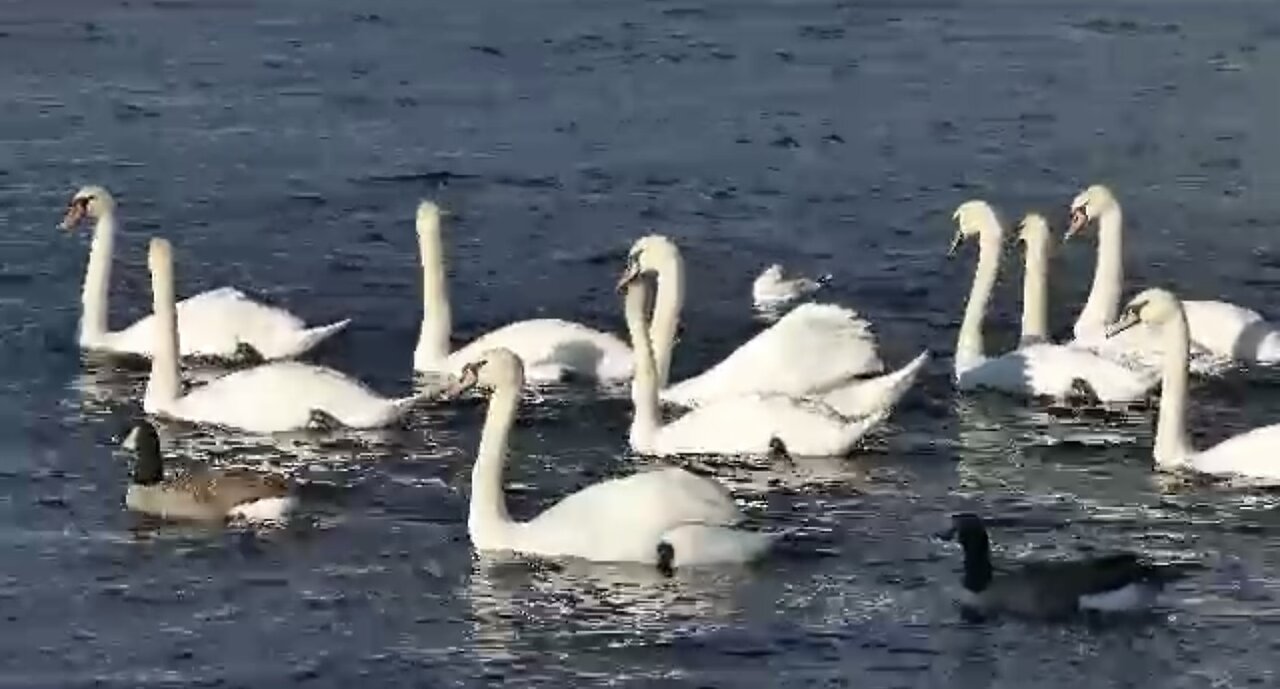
(284, 146)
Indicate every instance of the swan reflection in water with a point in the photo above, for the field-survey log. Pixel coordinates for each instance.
(592, 605)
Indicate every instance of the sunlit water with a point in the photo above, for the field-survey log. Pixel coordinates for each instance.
(283, 147)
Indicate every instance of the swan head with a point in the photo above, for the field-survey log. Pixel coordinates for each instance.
(159, 255)
(89, 202)
(492, 369)
(973, 219)
(428, 217)
(1087, 205)
(1152, 306)
(647, 254)
(1034, 230)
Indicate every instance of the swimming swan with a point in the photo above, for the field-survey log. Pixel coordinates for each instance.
(201, 493)
(279, 396)
(751, 423)
(222, 323)
(553, 349)
(1219, 330)
(1251, 455)
(669, 517)
(1043, 369)
(814, 348)
(773, 290)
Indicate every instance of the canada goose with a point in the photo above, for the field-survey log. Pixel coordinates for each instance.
(1051, 590)
(201, 494)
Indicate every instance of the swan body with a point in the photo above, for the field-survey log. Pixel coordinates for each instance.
(773, 289)
(813, 348)
(1042, 369)
(552, 349)
(744, 424)
(669, 518)
(1251, 455)
(278, 396)
(1220, 332)
(202, 494)
(216, 324)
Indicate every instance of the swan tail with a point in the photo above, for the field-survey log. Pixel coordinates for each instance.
(874, 395)
(311, 337)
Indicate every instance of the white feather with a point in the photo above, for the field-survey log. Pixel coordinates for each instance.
(265, 511)
(1136, 596)
(212, 323)
(618, 520)
(773, 289)
(1038, 369)
(273, 397)
(552, 349)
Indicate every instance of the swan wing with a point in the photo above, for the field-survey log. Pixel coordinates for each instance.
(552, 349)
(1232, 332)
(624, 519)
(812, 348)
(216, 322)
(281, 397)
(864, 397)
(1252, 455)
(747, 424)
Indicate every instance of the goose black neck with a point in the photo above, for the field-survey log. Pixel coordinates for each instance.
(148, 465)
(977, 560)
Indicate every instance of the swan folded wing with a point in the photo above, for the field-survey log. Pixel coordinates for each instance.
(281, 396)
(1229, 331)
(553, 347)
(812, 348)
(1140, 347)
(624, 519)
(214, 323)
(1254, 455)
(747, 424)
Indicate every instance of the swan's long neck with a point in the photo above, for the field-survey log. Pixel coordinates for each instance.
(969, 346)
(437, 322)
(1035, 294)
(488, 521)
(1173, 447)
(666, 313)
(97, 280)
(163, 387)
(644, 383)
(1103, 306)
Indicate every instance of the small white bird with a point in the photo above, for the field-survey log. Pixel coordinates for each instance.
(773, 289)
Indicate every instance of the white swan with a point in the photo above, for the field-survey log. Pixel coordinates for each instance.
(813, 348)
(1252, 455)
(280, 396)
(219, 323)
(1039, 369)
(773, 290)
(743, 424)
(554, 350)
(1219, 330)
(670, 517)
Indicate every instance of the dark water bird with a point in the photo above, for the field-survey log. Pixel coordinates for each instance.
(1051, 590)
(201, 493)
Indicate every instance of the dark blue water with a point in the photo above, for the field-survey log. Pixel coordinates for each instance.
(283, 147)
